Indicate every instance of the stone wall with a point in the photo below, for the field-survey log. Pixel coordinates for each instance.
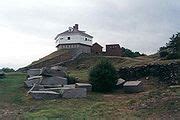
(167, 73)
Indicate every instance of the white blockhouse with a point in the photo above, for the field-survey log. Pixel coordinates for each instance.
(74, 38)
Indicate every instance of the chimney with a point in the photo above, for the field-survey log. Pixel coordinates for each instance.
(76, 27)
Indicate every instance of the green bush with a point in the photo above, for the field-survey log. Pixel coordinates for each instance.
(103, 76)
(172, 56)
(71, 79)
(171, 50)
(163, 54)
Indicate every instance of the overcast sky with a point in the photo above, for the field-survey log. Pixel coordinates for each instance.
(28, 27)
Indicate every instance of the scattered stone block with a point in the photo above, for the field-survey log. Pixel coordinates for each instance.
(30, 83)
(36, 87)
(51, 86)
(39, 95)
(33, 72)
(73, 92)
(52, 72)
(58, 89)
(59, 68)
(120, 83)
(133, 86)
(58, 73)
(35, 78)
(54, 81)
(45, 81)
(70, 86)
(84, 85)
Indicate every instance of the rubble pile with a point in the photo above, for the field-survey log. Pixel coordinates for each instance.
(51, 83)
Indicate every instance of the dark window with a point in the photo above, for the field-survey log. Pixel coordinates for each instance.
(86, 39)
(69, 38)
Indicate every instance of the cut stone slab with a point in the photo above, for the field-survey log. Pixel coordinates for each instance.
(133, 86)
(51, 86)
(30, 83)
(84, 85)
(59, 68)
(39, 95)
(58, 88)
(45, 72)
(70, 86)
(35, 78)
(33, 72)
(57, 73)
(120, 83)
(52, 72)
(54, 81)
(73, 92)
(46, 81)
(36, 87)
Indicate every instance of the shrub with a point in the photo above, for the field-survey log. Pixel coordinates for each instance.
(71, 79)
(103, 76)
(163, 54)
(172, 56)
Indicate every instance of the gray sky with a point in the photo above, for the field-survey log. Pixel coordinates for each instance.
(28, 27)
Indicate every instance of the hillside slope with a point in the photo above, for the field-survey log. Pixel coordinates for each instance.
(56, 57)
(87, 61)
(81, 66)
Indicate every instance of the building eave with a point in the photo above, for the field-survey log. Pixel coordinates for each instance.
(74, 44)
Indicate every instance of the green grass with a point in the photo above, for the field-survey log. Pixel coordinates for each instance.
(11, 88)
(96, 106)
(81, 74)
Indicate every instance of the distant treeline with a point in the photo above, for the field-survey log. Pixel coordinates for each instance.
(7, 70)
(172, 49)
(129, 53)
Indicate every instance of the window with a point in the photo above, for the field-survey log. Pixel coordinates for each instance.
(68, 38)
(61, 38)
(86, 39)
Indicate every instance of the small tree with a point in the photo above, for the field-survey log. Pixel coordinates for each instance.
(103, 76)
(172, 49)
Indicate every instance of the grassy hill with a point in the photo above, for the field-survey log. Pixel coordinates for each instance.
(81, 66)
(53, 58)
(156, 102)
(50, 56)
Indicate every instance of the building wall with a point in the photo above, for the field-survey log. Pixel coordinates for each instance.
(74, 38)
(82, 48)
(85, 49)
(113, 50)
(96, 49)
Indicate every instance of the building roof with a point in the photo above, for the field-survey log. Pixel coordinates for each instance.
(72, 31)
(113, 45)
(97, 44)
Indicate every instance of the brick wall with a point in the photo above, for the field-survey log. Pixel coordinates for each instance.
(96, 49)
(113, 50)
